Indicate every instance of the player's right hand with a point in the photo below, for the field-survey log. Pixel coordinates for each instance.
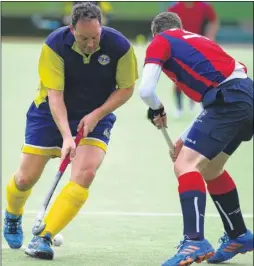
(69, 147)
(177, 148)
(157, 117)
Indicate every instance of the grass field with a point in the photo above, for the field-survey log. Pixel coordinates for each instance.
(133, 216)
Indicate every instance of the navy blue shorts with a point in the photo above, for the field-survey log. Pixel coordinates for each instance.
(225, 122)
(42, 136)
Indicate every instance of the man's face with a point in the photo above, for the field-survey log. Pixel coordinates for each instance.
(87, 34)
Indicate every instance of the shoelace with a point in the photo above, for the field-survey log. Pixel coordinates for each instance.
(12, 225)
(182, 243)
(224, 238)
(47, 240)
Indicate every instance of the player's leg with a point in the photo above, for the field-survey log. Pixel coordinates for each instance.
(73, 196)
(213, 130)
(18, 190)
(179, 101)
(192, 192)
(69, 201)
(89, 156)
(223, 191)
(38, 134)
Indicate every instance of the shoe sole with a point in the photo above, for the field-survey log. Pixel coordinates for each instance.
(242, 253)
(14, 246)
(199, 259)
(18, 247)
(39, 255)
(251, 250)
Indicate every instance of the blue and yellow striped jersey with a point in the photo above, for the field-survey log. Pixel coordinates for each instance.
(87, 81)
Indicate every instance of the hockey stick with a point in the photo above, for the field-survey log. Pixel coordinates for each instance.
(168, 140)
(38, 226)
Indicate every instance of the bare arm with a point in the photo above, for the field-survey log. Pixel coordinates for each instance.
(213, 27)
(214, 23)
(115, 100)
(126, 75)
(59, 112)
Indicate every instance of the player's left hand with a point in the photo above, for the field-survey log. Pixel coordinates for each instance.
(157, 117)
(88, 122)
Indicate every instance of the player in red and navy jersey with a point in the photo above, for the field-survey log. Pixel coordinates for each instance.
(206, 74)
(198, 17)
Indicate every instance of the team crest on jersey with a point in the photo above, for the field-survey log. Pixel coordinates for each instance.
(104, 59)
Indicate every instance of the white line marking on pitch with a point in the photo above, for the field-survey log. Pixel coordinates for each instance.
(138, 214)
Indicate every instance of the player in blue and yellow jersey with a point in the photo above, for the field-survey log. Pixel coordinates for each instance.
(206, 74)
(86, 72)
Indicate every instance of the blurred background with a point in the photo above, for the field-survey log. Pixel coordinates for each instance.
(133, 216)
(131, 18)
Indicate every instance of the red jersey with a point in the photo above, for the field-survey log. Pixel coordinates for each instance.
(195, 63)
(194, 17)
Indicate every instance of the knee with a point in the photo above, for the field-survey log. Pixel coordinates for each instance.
(85, 176)
(211, 173)
(216, 167)
(23, 181)
(88, 173)
(182, 167)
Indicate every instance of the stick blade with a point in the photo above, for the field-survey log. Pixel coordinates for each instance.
(38, 228)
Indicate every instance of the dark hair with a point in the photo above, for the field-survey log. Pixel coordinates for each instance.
(85, 11)
(165, 21)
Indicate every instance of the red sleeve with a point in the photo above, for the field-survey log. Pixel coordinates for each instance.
(158, 52)
(210, 13)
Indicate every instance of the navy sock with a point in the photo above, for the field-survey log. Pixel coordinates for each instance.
(193, 202)
(224, 194)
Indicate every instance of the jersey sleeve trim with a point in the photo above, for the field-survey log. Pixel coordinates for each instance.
(154, 61)
(127, 71)
(158, 52)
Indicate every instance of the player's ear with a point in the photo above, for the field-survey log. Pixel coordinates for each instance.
(72, 28)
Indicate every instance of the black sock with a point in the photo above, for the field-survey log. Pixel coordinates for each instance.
(225, 196)
(178, 99)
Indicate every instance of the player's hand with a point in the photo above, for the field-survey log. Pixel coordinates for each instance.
(88, 122)
(177, 148)
(69, 147)
(157, 117)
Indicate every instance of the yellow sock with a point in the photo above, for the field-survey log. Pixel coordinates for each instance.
(65, 208)
(16, 198)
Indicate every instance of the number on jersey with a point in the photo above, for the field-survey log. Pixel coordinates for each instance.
(189, 35)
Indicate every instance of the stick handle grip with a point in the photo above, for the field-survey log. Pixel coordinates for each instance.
(67, 160)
